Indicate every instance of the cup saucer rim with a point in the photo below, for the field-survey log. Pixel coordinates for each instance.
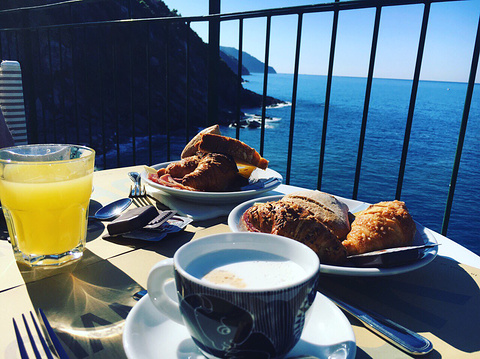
(144, 320)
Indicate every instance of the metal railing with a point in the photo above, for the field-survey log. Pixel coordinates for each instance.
(47, 112)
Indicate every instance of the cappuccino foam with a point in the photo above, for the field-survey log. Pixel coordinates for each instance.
(246, 269)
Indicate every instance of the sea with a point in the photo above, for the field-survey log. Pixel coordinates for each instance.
(431, 152)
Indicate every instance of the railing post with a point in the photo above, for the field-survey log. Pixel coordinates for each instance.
(213, 62)
(463, 130)
(328, 90)
(413, 98)
(366, 104)
(29, 84)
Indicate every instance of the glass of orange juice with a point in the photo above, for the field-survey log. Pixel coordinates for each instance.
(44, 192)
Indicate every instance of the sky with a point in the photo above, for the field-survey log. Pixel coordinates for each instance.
(448, 48)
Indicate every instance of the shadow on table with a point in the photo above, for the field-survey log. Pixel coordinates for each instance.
(86, 304)
(442, 298)
(95, 227)
(87, 301)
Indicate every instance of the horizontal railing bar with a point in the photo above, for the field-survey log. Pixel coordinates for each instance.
(294, 10)
(42, 7)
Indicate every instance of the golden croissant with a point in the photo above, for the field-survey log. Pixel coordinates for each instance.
(380, 226)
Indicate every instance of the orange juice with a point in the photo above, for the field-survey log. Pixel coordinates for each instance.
(46, 206)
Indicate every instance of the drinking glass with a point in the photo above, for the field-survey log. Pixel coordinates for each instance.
(45, 192)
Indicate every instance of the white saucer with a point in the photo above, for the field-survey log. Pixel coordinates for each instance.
(150, 334)
(217, 197)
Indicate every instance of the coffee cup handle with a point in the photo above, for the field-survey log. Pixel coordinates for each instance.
(158, 277)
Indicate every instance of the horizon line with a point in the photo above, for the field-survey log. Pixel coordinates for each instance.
(364, 77)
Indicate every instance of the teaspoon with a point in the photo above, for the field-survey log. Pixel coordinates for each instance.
(112, 210)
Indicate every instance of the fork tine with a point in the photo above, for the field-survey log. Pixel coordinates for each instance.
(42, 339)
(53, 337)
(21, 346)
(30, 336)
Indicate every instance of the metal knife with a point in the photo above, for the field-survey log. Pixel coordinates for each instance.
(392, 332)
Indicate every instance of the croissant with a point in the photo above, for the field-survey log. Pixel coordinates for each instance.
(183, 167)
(215, 172)
(380, 226)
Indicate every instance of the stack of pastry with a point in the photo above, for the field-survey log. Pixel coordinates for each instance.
(320, 221)
(209, 163)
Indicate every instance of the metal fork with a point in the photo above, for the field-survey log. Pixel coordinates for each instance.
(54, 348)
(137, 191)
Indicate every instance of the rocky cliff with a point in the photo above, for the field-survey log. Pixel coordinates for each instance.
(251, 63)
(126, 76)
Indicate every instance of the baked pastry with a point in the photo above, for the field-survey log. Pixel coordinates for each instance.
(380, 226)
(325, 208)
(306, 216)
(191, 147)
(209, 163)
(211, 172)
(215, 172)
(241, 152)
(181, 168)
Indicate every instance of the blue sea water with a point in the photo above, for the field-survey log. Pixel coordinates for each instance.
(431, 154)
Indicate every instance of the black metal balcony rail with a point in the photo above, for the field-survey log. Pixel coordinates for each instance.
(23, 43)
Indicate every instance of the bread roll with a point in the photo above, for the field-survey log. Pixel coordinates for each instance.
(191, 147)
(241, 152)
(325, 208)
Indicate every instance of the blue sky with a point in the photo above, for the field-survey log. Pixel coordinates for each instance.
(448, 49)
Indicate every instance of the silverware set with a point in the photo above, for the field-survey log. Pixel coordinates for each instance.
(49, 342)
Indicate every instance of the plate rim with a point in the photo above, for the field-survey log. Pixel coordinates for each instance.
(349, 271)
(201, 194)
(321, 301)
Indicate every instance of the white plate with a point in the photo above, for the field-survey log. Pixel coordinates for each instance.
(422, 236)
(217, 197)
(150, 334)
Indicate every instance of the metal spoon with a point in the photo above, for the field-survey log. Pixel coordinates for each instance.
(112, 210)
